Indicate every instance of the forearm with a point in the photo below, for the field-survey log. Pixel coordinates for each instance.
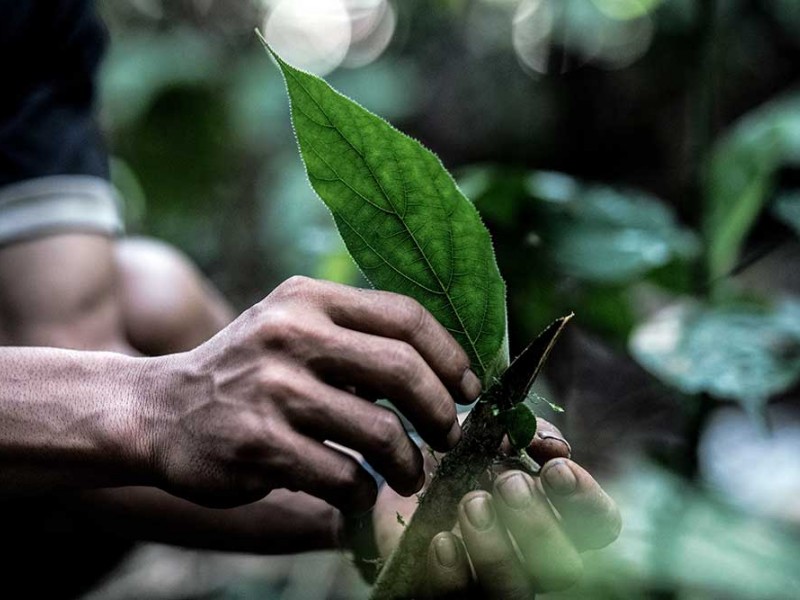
(283, 522)
(70, 420)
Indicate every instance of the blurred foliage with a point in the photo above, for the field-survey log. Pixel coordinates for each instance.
(787, 208)
(586, 243)
(630, 157)
(745, 353)
(690, 542)
(744, 166)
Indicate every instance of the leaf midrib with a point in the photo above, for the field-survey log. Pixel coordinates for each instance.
(445, 290)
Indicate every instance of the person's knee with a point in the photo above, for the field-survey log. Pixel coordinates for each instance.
(168, 306)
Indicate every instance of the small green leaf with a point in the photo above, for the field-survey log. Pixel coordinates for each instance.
(520, 422)
(400, 519)
(406, 224)
(533, 400)
(742, 352)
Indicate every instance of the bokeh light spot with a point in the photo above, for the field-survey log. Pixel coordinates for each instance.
(314, 35)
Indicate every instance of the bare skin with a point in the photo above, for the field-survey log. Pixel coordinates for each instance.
(227, 422)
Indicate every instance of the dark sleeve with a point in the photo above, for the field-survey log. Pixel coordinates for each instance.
(50, 51)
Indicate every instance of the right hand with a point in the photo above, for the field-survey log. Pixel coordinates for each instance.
(248, 411)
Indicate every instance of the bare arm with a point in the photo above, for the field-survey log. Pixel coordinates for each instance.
(69, 419)
(246, 413)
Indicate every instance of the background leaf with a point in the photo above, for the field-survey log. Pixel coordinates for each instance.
(565, 243)
(401, 216)
(742, 173)
(601, 234)
(742, 352)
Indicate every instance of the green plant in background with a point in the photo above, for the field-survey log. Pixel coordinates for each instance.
(412, 231)
(598, 242)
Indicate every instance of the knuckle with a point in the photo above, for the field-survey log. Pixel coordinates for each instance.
(269, 380)
(292, 332)
(295, 284)
(348, 475)
(403, 363)
(413, 316)
(389, 434)
(277, 384)
(442, 413)
(297, 287)
(275, 326)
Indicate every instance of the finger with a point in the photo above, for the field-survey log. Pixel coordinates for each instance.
(548, 554)
(398, 371)
(327, 413)
(392, 315)
(548, 443)
(497, 567)
(589, 515)
(448, 575)
(325, 473)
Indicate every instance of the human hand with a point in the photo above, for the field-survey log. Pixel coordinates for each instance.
(552, 518)
(248, 411)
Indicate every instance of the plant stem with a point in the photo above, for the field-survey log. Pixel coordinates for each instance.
(704, 124)
(461, 469)
(458, 474)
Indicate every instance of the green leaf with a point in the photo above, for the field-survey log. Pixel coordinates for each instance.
(513, 386)
(520, 422)
(740, 352)
(593, 232)
(403, 219)
(603, 235)
(742, 173)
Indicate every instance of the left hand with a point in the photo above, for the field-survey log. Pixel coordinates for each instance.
(552, 518)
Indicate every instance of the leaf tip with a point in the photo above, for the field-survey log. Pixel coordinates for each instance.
(278, 60)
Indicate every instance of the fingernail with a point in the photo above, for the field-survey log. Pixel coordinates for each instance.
(515, 491)
(445, 550)
(480, 512)
(558, 439)
(560, 478)
(470, 385)
(454, 435)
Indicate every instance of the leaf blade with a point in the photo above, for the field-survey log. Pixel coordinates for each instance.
(402, 218)
(516, 382)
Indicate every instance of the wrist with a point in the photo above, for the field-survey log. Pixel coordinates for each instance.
(148, 382)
